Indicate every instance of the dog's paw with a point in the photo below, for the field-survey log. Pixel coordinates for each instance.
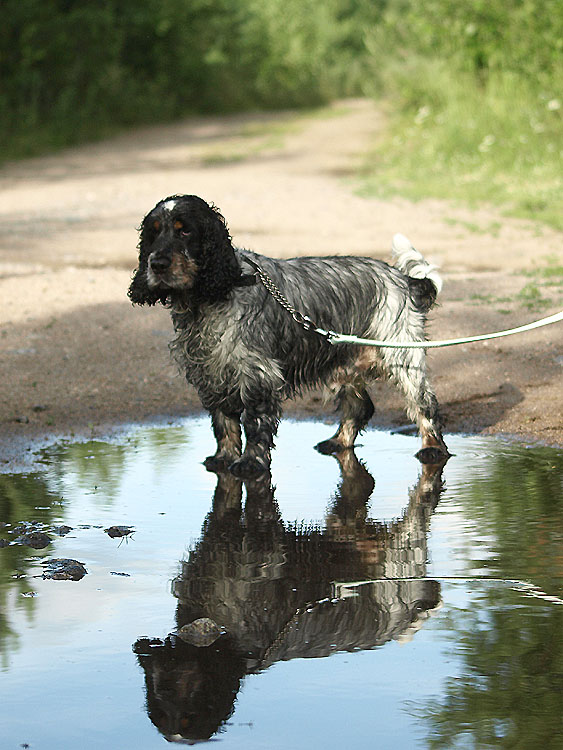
(248, 467)
(329, 447)
(433, 455)
(217, 464)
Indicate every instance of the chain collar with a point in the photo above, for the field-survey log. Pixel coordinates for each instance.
(303, 320)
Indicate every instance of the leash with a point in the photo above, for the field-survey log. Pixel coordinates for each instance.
(341, 338)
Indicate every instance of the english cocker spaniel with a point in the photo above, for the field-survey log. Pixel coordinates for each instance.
(245, 353)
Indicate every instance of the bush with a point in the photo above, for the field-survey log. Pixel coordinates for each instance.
(476, 107)
(73, 69)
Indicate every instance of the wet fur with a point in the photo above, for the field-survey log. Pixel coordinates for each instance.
(245, 354)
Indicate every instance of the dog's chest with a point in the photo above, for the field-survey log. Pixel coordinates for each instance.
(216, 358)
(210, 348)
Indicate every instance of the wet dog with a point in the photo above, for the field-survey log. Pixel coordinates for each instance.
(245, 353)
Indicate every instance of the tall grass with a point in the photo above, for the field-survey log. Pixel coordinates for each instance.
(475, 103)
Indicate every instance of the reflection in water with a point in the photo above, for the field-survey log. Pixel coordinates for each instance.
(101, 465)
(488, 672)
(511, 695)
(279, 592)
(20, 498)
(518, 502)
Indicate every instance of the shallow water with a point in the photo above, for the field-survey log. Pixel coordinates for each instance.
(437, 598)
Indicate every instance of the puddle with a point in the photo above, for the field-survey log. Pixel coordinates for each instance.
(438, 599)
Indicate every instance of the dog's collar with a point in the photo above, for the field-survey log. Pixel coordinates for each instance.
(247, 279)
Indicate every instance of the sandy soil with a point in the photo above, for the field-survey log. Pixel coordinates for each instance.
(78, 358)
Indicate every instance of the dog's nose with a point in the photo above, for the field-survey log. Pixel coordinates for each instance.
(160, 263)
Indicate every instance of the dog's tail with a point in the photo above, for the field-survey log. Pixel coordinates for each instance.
(425, 283)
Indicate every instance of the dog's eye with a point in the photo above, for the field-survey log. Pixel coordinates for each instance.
(156, 225)
(179, 227)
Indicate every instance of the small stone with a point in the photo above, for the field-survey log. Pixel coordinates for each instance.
(200, 633)
(62, 530)
(116, 531)
(64, 569)
(34, 539)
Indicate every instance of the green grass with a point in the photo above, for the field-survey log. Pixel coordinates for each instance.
(493, 227)
(546, 279)
(551, 274)
(530, 296)
(501, 144)
(544, 290)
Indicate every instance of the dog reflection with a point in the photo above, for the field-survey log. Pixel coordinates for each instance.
(280, 592)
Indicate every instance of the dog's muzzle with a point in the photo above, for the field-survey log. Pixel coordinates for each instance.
(160, 263)
(171, 269)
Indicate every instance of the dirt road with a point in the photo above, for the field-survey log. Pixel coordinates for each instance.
(77, 357)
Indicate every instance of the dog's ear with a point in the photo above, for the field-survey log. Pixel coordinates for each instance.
(219, 269)
(139, 291)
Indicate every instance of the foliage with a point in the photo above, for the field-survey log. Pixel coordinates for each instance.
(510, 692)
(475, 100)
(73, 70)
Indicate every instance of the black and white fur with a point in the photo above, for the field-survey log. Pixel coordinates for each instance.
(245, 354)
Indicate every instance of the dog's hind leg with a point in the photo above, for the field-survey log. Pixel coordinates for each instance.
(356, 409)
(407, 369)
(227, 431)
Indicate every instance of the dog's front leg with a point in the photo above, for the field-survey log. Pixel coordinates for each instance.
(260, 420)
(227, 431)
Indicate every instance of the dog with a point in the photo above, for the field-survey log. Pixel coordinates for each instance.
(245, 353)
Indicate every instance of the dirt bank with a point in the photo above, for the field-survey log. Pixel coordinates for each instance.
(77, 357)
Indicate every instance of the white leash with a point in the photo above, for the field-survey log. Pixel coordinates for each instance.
(342, 338)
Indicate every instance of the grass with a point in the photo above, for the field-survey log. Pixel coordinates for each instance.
(530, 297)
(493, 227)
(546, 279)
(250, 142)
(248, 145)
(500, 144)
(551, 274)
(543, 290)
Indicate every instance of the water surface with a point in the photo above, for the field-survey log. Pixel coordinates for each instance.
(367, 603)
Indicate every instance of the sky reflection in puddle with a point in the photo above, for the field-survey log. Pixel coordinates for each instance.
(445, 648)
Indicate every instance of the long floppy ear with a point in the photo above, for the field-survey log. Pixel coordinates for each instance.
(219, 269)
(139, 291)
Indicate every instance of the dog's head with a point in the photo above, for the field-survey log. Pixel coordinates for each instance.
(185, 254)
